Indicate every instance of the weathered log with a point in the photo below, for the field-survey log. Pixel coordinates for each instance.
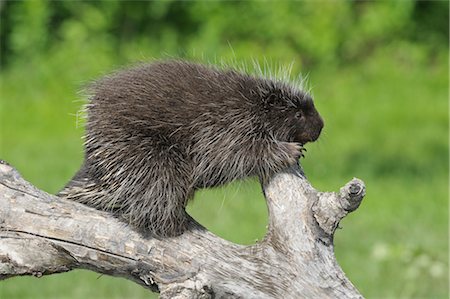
(42, 234)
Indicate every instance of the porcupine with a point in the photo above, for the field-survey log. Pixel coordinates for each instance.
(157, 132)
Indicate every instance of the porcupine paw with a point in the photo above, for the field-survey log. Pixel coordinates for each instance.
(294, 151)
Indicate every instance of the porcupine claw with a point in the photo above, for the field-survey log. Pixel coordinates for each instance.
(294, 151)
(302, 151)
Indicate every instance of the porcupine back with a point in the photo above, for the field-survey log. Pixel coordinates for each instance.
(157, 132)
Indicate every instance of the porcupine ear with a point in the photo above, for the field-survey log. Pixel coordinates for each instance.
(272, 98)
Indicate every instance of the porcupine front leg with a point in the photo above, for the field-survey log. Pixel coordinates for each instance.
(276, 156)
(291, 151)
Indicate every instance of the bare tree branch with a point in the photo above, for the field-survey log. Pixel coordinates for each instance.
(42, 234)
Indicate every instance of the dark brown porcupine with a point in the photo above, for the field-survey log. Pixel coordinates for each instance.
(157, 132)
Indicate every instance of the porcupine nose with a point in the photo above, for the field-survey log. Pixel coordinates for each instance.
(318, 128)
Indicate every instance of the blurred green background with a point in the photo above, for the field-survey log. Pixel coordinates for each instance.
(379, 75)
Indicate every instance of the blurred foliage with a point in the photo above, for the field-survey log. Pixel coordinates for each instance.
(379, 74)
(338, 33)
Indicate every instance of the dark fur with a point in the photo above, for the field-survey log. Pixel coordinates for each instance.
(158, 132)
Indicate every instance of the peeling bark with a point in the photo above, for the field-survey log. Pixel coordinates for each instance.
(42, 234)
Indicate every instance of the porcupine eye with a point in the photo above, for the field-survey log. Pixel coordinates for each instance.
(299, 114)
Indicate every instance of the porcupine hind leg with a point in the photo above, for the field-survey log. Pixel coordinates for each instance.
(150, 193)
(157, 207)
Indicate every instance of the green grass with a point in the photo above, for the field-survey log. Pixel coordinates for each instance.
(386, 123)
